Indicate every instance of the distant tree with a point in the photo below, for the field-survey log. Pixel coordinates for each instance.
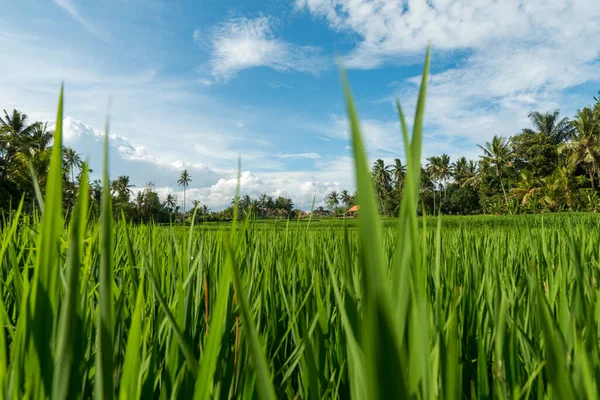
(398, 171)
(382, 178)
(332, 199)
(71, 160)
(528, 188)
(122, 188)
(170, 203)
(549, 124)
(462, 170)
(584, 149)
(347, 199)
(184, 180)
(40, 136)
(534, 152)
(497, 153)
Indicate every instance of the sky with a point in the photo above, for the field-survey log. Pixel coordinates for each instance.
(199, 84)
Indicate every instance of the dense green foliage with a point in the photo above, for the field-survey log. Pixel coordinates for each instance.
(553, 167)
(447, 307)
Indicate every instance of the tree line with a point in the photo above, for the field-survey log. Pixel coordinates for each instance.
(552, 166)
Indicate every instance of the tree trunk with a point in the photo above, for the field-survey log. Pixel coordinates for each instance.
(502, 186)
(72, 190)
(184, 203)
(592, 179)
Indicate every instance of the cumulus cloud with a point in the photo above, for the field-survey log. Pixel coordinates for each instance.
(391, 29)
(493, 60)
(242, 43)
(301, 186)
(127, 159)
(213, 187)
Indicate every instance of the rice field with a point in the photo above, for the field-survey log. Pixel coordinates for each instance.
(438, 307)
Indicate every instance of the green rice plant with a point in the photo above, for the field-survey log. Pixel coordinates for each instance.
(437, 307)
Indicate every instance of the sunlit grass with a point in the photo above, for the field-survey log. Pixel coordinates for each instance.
(476, 307)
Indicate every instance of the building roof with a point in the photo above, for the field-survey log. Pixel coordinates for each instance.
(354, 209)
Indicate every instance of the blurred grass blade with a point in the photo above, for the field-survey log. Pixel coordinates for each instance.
(69, 340)
(104, 388)
(44, 285)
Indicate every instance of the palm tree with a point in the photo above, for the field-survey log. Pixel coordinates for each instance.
(460, 170)
(40, 136)
(398, 172)
(346, 198)
(381, 177)
(196, 203)
(470, 176)
(549, 124)
(497, 153)
(71, 160)
(14, 131)
(527, 188)
(245, 203)
(584, 149)
(433, 169)
(445, 170)
(332, 199)
(184, 180)
(171, 201)
(122, 187)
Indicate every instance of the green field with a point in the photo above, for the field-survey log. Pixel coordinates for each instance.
(508, 307)
(419, 308)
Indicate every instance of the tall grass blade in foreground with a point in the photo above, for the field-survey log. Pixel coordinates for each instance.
(104, 353)
(44, 290)
(67, 371)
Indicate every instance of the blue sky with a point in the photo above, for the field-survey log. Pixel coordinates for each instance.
(195, 84)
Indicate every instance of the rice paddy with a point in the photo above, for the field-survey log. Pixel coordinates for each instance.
(437, 307)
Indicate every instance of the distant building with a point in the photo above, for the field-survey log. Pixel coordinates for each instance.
(352, 212)
(321, 212)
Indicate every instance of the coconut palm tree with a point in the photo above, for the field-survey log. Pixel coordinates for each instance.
(497, 153)
(549, 124)
(398, 172)
(433, 169)
(382, 178)
(71, 160)
(171, 201)
(346, 198)
(461, 170)
(445, 170)
(529, 186)
(14, 132)
(184, 180)
(122, 188)
(40, 137)
(584, 149)
(332, 199)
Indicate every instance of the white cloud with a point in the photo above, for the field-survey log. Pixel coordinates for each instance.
(213, 187)
(296, 156)
(507, 57)
(300, 186)
(242, 43)
(127, 159)
(392, 29)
